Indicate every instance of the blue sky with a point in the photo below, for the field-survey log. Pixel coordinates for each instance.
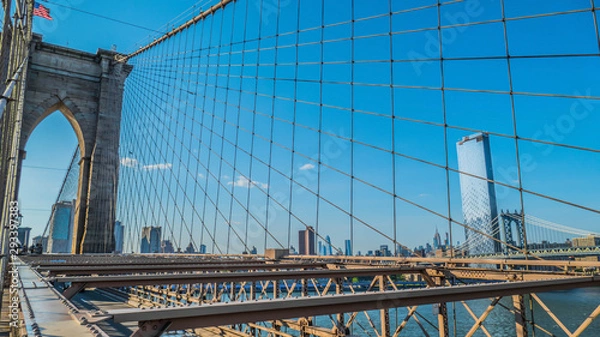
(85, 32)
(52, 143)
(560, 172)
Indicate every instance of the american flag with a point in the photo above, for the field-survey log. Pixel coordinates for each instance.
(41, 11)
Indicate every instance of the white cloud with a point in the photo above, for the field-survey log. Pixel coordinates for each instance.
(246, 183)
(307, 167)
(424, 195)
(134, 163)
(129, 162)
(161, 166)
(201, 176)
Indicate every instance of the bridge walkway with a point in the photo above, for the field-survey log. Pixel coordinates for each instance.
(48, 310)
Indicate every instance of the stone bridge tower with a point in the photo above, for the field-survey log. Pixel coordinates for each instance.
(88, 90)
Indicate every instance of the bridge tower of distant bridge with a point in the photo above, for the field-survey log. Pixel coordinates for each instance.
(507, 219)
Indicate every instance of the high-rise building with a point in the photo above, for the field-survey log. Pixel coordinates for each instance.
(586, 241)
(23, 236)
(202, 249)
(61, 228)
(306, 241)
(478, 193)
(348, 248)
(119, 229)
(42, 241)
(403, 251)
(384, 250)
(437, 240)
(151, 240)
(190, 249)
(320, 248)
(329, 250)
(166, 247)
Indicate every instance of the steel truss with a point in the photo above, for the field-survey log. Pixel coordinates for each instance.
(254, 296)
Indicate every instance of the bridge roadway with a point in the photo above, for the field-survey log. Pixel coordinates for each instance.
(210, 295)
(549, 253)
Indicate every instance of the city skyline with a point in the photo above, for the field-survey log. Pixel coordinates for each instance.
(341, 245)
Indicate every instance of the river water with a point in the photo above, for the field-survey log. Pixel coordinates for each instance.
(572, 307)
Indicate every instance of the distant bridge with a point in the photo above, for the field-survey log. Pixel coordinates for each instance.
(549, 253)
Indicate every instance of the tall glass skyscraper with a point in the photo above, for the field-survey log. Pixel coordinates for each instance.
(61, 227)
(329, 248)
(478, 193)
(151, 240)
(118, 237)
(348, 248)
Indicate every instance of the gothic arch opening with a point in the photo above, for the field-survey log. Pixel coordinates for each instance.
(49, 180)
(33, 118)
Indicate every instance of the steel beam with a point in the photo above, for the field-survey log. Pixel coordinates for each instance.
(520, 317)
(162, 268)
(73, 290)
(153, 328)
(51, 261)
(306, 329)
(446, 261)
(93, 261)
(124, 280)
(502, 275)
(587, 322)
(475, 318)
(411, 312)
(551, 314)
(79, 283)
(479, 322)
(238, 313)
(384, 314)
